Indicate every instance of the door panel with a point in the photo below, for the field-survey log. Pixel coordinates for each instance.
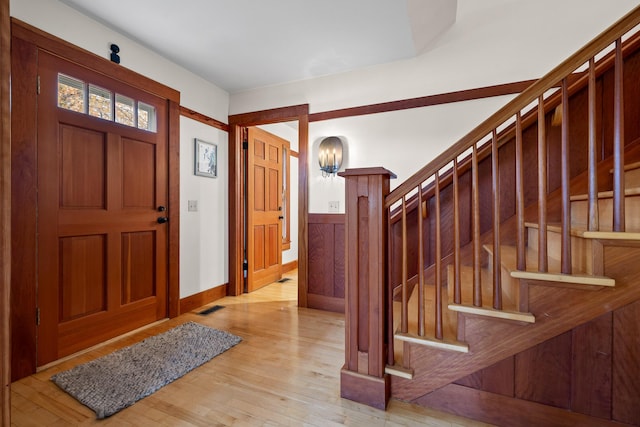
(138, 266)
(264, 218)
(83, 287)
(139, 174)
(102, 255)
(82, 168)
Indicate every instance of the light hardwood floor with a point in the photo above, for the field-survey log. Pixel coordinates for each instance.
(284, 372)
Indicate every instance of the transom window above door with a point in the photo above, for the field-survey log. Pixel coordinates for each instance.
(86, 98)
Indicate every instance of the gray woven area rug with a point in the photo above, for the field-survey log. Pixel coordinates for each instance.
(117, 380)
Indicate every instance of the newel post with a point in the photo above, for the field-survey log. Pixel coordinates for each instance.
(362, 378)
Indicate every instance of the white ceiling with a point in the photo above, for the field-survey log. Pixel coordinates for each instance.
(244, 44)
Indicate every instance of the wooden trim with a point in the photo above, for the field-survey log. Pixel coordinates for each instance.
(203, 298)
(236, 192)
(174, 210)
(503, 410)
(199, 117)
(372, 391)
(424, 101)
(90, 60)
(294, 153)
(290, 266)
(5, 215)
(324, 218)
(303, 208)
(326, 303)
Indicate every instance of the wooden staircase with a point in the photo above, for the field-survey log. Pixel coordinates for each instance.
(538, 307)
(502, 281)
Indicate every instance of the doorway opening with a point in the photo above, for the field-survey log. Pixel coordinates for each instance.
(239, 145)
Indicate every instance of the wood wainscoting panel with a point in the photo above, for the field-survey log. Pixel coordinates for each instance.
(542, 373)
(326, 262)
(626, 365)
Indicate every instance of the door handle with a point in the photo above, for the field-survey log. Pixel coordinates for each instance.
(162, 219)
(280, 217)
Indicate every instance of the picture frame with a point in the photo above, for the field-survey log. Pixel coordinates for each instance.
(205, 158)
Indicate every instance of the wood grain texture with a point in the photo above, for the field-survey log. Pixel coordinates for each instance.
(425, 101)
(205, 297)
(24, 211)
(366, 286)
(591, 366)
(236, 196)
(543, 372)
(5, 215)
(238, 388)
(326, 262)
(173, 273)
(626, 347)
(503, 410)
(557, 311)
(202, 118)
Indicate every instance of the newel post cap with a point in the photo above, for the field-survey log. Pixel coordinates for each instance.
(379, 170)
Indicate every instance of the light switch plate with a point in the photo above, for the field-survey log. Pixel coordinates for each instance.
(192, 206)
(334, 206)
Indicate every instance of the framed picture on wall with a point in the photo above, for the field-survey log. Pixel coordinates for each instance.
(206, 159)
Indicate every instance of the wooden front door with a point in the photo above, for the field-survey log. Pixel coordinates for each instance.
(102, 187)
(264, 216)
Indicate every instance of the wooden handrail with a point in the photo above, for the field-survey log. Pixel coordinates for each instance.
(616, 31)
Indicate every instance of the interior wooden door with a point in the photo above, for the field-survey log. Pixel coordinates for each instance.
(264, 208)
(102, 193)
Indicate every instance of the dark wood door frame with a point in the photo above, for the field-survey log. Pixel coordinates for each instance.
(236, 192)
(5, 215)
(32, 39)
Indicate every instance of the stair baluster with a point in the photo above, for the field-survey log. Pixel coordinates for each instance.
(542, 188)
(566, 197)
(477, 286)
(592, 160)
(438, 265)
(618, 141)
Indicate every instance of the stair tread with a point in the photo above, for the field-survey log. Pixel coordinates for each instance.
(605, 232)
(486, 282)
(444, 344)
(606, 194)
(449, 319)
(492, 312)
(628, 167)
(508, 258)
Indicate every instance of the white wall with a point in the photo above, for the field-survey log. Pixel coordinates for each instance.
(203, 240)
(204, 247)
(492, 42)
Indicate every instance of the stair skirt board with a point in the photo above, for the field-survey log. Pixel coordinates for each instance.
(504, 410)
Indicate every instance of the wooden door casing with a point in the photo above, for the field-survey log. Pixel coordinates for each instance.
(102, 263)
(264, 219)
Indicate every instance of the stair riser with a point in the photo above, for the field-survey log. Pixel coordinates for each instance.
(582, 255)
(510, 286)
(632, 178)
(579, 213)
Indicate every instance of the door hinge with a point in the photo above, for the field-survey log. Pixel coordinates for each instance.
(38, 316)
(245, 145)
(38, 85)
